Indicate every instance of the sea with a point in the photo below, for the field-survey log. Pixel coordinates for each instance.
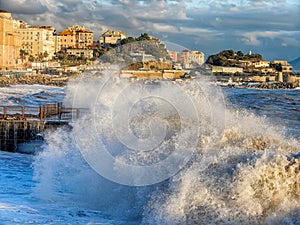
(179, 153)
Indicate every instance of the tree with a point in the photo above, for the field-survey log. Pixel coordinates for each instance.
(31, 58)
(127, 40)
(143, 37)
(240, 54)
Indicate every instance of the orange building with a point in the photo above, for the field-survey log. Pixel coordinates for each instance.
(76, 37)
(10, 42)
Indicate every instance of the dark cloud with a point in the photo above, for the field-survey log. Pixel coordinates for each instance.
(30, 7)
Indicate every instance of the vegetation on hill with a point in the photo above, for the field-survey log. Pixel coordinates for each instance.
(126, 52)
(231, 58)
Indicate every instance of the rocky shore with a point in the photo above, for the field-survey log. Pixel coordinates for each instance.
(33, 79)
(278, 85)
(262, 85)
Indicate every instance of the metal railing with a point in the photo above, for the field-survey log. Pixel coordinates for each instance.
(54, 111)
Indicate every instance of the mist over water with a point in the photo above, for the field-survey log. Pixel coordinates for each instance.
(169, 153)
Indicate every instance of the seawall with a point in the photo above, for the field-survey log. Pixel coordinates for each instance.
(15, 132)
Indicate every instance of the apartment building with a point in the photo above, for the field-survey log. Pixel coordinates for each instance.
(190, 59)
(38, 42)
(112, 37)
(10, 42)
(76, 37)
(173, 55)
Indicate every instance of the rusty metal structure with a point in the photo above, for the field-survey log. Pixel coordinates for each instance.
(20, 124)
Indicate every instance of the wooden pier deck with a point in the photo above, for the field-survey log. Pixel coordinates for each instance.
(19, 124)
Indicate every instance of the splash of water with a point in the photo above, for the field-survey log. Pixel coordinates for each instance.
(238, 172)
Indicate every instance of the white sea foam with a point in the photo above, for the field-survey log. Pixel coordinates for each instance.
(238, 173)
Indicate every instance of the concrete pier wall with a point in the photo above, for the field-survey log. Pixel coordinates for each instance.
(14, 132)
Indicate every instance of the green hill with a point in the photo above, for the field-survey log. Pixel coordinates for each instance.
(231, 58)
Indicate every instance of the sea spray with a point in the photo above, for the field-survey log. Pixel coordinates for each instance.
(239, 173)
(246, 177)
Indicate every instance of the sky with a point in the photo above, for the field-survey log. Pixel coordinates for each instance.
(268, 27)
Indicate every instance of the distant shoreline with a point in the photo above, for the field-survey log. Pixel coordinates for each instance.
(263, 85)
(33, 79)
(49, 80)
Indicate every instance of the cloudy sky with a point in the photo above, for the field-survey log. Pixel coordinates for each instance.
(269, 27)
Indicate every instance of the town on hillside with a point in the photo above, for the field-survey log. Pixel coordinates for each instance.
(32, 54)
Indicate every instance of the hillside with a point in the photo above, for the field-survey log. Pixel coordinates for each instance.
(295, 63)
(231, 58)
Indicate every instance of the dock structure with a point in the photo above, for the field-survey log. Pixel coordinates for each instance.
(19, 124)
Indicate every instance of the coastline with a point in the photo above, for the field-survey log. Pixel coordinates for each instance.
(33, 79)
(59, 81)
(262, 85)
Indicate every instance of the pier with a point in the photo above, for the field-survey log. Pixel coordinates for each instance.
(20, 124)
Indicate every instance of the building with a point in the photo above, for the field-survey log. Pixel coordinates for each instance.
(10, 42)
(286, 68)
(76, 37)
(224, 69)
(57, 43)
(261, 64)
(38, 42)
(79, 52)
(173, 55)
(190, 59)
(112, 37)
(197, 57)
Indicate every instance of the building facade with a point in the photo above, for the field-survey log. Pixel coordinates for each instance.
(38, 43)
(112, 37)
(286, 68)
(173, 55)
(190, 59)
(79, 52)
(76, 37)
(223, 69)
(10, 42)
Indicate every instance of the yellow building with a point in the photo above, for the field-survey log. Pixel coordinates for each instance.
(57, 43)
(10, 42)
(38, 42)
(112, 37)
(76, 37)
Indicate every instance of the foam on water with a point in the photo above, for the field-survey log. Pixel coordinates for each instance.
(240, 171)
(245, 178)
(31, 95)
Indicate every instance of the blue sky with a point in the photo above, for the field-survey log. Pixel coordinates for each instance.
(269, 27)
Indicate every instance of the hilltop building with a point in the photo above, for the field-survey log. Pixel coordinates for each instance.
(112, 37)
(76, 37)
(10, 42)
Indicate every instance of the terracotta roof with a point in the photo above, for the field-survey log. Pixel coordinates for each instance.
(3, 11)
(66, 32)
